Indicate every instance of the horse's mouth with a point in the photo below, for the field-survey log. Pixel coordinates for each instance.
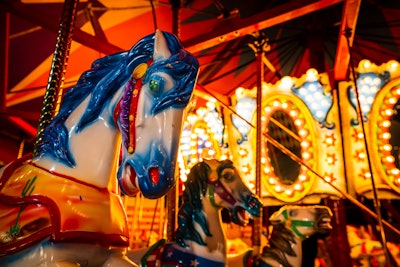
(241, 216)
(324, 223)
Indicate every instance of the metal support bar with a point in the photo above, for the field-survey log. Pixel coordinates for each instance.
(58, 67)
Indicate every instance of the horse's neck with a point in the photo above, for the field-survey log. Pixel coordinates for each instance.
(278, 251)
(95, 150)
(216, 243)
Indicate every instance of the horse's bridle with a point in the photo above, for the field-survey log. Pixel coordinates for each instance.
(216, 187)
(293, 224)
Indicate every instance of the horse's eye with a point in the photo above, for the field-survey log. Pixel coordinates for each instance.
(228, 175)
(292, 213)
(153, 85)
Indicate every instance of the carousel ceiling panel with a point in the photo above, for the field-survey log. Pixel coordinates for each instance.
(300, 34)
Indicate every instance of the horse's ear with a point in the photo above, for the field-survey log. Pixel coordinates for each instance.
(276, 218)
(161, 50)
(213, 164)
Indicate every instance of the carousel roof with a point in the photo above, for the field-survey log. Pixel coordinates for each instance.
(297, 35)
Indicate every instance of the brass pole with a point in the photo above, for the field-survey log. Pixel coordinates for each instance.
(55, 83)
(172, 195)
(259, 47)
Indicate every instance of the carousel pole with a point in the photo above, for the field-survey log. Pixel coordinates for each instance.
(172, 195)
(376, 201)
(259, 46)
(55, 83)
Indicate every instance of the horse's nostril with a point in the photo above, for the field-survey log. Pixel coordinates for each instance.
(154, 175)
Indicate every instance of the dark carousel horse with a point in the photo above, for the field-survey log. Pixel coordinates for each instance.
(291, 226)
(200, 238)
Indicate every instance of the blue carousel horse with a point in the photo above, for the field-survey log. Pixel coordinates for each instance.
(62, 207)
(292, 224)
(199, 239)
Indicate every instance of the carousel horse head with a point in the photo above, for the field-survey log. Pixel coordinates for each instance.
(141, 93)
(220, 183)
(199, 239)
(291, 225)
(122, 118)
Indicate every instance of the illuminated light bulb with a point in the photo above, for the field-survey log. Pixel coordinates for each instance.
(263, 160)
(303, 177)
(302, 91)
(365, 63)
(362, 155)
(315, 105)
(397, 91)
(385, 136)
(306, 155)
(224, 157)
(276, 103)
(360, 135)
(393, 64)
(211, 152)
(319, 114)
(183, 178)
(328, 179)
(245, 169)
(318, 96)
(312, 88)
(377, 82)
(312, 75)
(271, 181)
(193, 160)
(305, 144)
(286, 83)
(367, 175)
(193, 151)
(389, 159)
(395, 171)
(325, 103)
(267, 170)
(298, 187)
(303, 133)
(391, 100)
(239, 91)
(211, 104)
(289, 192)
(267, 109)
(388, 112)
(330, 160)
(386, 123)
(374, 89)
(387, 147)
(285, 105)
(278, 188)
(298, 122)
(370, 99)
(364, 89)
(293, 113)
(329, 141)
(242, 152)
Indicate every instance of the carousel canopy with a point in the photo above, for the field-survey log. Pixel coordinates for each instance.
(296, 35)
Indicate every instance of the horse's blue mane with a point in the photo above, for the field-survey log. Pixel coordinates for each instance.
(106, 76)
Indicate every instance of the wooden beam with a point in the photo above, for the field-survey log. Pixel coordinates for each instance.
(348, 24)
(50, 22)
(4, 51)
(237, 27)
